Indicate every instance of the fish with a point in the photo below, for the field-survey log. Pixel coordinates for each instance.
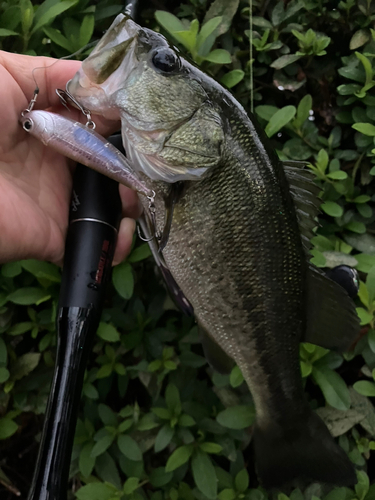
(84, 145)
(236, 226)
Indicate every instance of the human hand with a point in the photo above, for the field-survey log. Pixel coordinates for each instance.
(35, 181)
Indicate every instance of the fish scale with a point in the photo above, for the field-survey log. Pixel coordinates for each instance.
(226, 212)
(234, 238)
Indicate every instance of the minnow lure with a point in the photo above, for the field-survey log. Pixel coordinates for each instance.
(84, 145)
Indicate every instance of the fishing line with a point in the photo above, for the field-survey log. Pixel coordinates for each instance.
(36, 91)
(251, 59)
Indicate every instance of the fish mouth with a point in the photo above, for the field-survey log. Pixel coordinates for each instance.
(108, 65)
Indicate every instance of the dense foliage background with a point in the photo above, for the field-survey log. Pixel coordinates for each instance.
(156, 421)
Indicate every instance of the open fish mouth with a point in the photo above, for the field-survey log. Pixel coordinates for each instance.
(107, 66)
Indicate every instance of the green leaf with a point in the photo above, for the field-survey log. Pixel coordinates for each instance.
(367, 66)
(232, 78)
(332, 208)
(108, 332)
(3, 352)
(28, 295)
(211, 447)
(364, 316)
(365, 262)
(102, 445)
(125, 425)
(51, 13)
(187, 38)
(335, 390)
(131, 484)
(227, 494)
(163, 438)
(86, 30)
(27, 15)
(359, 38)
(236, 377)
(123, 281)
(236, 417)
(162, 413)
(86, 461)
(129, 447)
(104, 371)
(370, 284)
(95, 491)
(168, 21)
(172, 398)
(365, 128)
(284, 61)
(107, 416)
(356, 227)
(186, 421)
(4, 375)
(159, 477)
(59, 39)
(207, 29)
(338, 175)
(140, 253)
(204, 474)
(7, 428)
(242, 481)
(20, 328)
(25, 364)
(365, 387)
(303, 110)
(224, 8)
(219, 56)
(281, 118)
(147, 422)
(11, 269)
(6, 32)
(179, 457)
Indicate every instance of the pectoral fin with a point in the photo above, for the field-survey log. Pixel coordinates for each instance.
(332, 321)
(217, 358)
(175, 192)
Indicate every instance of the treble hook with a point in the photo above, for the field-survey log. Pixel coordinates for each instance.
(152, 211)
(86, 112)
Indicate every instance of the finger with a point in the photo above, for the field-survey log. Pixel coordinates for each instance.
(124, 241)
(131, 205)
(49, 74)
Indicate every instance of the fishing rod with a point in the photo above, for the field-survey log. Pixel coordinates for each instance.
(95, 216)
(94, 220)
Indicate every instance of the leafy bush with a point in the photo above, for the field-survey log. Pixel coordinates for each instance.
(156, 421)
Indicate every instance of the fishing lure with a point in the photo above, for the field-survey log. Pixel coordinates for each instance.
(82, 144)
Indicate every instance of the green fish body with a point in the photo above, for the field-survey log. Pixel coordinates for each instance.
(233, 244)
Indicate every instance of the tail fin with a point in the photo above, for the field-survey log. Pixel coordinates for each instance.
(306, 449)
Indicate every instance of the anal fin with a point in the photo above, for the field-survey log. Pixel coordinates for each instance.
(217, 358)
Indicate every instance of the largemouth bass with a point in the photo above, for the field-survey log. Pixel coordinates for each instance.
(238, 225)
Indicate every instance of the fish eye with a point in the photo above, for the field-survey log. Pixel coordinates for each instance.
(166, 60)
(27, 124)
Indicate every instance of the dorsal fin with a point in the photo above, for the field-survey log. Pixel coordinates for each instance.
(331, 319)
(305, 194)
